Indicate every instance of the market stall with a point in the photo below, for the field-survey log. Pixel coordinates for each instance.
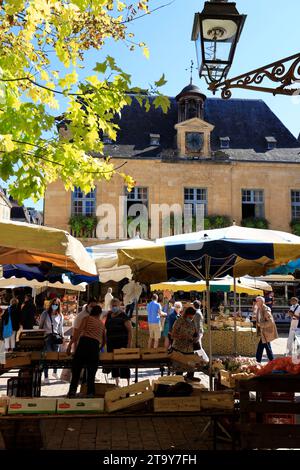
(210, 254)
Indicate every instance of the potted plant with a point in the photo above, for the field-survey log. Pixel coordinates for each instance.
(295, 226)
(255, 222)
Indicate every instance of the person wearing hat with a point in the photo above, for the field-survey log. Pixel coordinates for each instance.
(294, 313)
(266, 329)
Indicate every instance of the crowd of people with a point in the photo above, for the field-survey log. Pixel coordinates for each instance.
(179, 329)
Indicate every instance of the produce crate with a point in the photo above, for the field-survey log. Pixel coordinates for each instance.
(32, 406)
(79, 405)
(198, 389)
(279, 418)
(15, 360)
(128, 396)
(106, 356)
(64, 356)
(167, 380)
(126, 354)
(190, 361)
(3, 405)
(223, 400)
(51, 356)
(226, 379)
(36, 355)
(158, 353)
(171, 404)
(100, 389)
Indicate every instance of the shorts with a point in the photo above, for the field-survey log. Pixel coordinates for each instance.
(154, 331)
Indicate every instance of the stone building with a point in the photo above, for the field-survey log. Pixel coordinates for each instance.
(234, 158)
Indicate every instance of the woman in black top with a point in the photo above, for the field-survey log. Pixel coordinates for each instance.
(118, 335)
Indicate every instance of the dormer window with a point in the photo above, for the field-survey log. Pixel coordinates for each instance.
(106, 139)
(154, 139)
(271, 143)
(224, 142)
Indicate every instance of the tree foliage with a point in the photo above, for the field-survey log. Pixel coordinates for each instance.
(43, 46)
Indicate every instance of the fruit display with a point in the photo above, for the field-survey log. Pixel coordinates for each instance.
(224, 322)
(280, 365)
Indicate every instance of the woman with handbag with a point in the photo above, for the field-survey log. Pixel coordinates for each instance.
(52, 322)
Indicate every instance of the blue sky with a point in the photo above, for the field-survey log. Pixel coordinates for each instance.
(271, 32)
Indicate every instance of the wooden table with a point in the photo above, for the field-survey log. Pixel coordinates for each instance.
(257, 432)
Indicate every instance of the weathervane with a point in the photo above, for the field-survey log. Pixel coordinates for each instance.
(191, 68)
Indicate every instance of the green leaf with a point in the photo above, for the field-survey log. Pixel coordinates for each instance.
(162, 81)
(101, 67)
(162, 102)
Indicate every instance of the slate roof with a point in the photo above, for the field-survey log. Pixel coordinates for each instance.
(246, 122)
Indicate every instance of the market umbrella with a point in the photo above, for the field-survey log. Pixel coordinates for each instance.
(105, 256)
(22, 243)
(225, 284)
(44, 272)
(210, 254)
(14, 282)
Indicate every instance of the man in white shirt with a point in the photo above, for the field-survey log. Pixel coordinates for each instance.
(294, 313)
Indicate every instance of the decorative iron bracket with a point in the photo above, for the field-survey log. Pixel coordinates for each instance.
(285, 71)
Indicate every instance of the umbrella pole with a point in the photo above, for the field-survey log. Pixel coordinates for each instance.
(209, 332)
(234, 316)
(136, 334)
(77, 306)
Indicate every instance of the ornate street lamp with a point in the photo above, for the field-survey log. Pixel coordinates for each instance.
(216, 32)
(279, 78)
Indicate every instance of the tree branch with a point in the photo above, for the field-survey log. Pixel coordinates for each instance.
(39, 85)
(146, 14)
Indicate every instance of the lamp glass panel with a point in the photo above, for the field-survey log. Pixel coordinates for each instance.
(217, 51)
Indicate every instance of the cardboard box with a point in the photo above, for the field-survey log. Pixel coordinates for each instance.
(31, 406)
(174, 404)
(80, 405)
(3, 405)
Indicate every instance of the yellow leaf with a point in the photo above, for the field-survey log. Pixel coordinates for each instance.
(93, 80)
(146, 52)
(44, 75)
